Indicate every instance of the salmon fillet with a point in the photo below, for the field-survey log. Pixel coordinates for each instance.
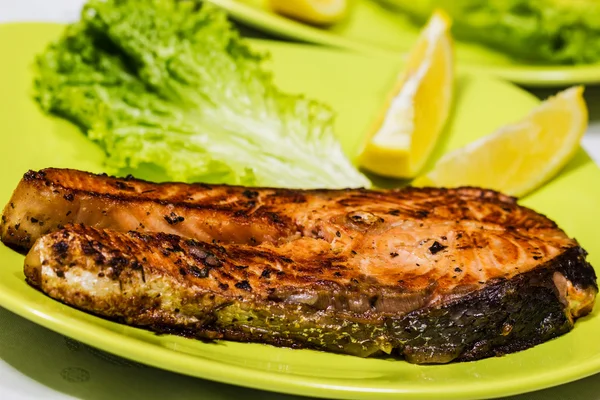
(167, 283)
(379, 259)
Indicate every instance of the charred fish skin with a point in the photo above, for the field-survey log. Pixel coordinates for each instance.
(202, 290)
(506, 316)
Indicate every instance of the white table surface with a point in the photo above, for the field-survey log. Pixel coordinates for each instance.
(36, 363)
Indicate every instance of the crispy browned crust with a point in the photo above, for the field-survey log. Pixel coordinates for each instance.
(55, 197)
(437, 241)
(258, 273)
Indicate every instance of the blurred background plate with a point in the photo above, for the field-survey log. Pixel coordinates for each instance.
(353, 84)
(374, 29)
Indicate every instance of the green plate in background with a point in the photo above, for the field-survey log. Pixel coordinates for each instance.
(354, 85)
(373, 29)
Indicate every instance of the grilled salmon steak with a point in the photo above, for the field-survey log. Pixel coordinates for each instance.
(433, 275)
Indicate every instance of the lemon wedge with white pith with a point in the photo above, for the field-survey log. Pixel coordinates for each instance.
(319, 12)
(404, 135)
(520, 157)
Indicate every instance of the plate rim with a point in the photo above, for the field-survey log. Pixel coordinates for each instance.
(134, 349)
(530, 75)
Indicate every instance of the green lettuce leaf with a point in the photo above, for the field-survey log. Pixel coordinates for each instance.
(544, 31)
(170, 83)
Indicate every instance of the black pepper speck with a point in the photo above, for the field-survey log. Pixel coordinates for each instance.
(436, 247)
(250, 194)
(266, 273)
(173, 218)
(223, 286)
(244, 285)
(199, 272)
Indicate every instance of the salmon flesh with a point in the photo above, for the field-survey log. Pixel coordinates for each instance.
(432, 275)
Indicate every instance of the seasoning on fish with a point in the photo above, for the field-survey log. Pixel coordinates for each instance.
(434, 275)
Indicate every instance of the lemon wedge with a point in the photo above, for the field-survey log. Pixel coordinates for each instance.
(317, 12)
(520, 157)
(417, 107)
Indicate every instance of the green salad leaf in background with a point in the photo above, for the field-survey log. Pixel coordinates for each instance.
(171, 84)
(544, 31)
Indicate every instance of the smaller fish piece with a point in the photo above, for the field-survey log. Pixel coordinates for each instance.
(265, 294)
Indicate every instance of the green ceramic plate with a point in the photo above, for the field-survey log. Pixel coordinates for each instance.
(354, 85)
(374, 29)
